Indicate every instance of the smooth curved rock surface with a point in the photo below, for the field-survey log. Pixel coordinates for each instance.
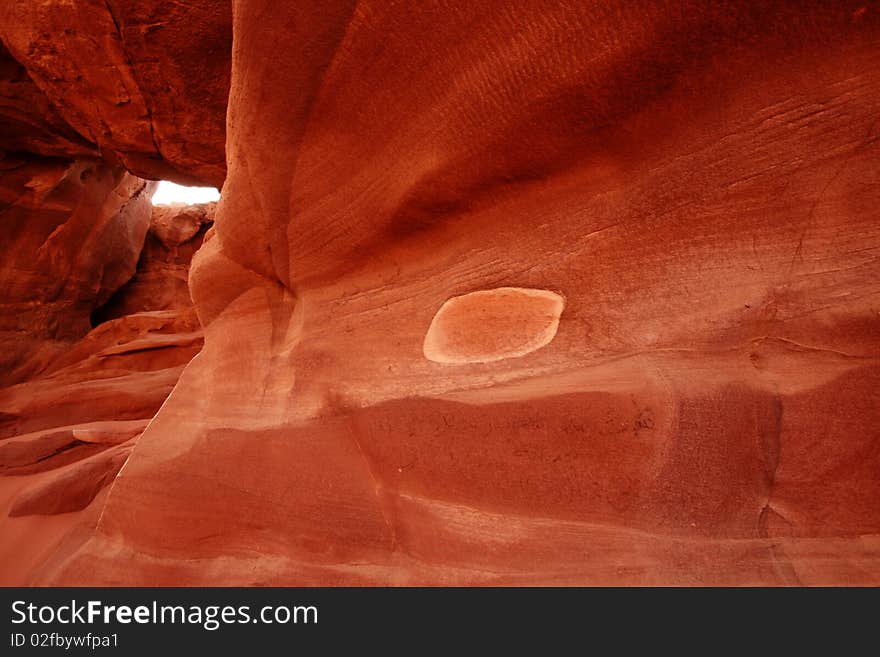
(73, 489)
(490, 325)
(699, 182)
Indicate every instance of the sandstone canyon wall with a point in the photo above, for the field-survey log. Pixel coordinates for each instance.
(97, 321)
(71, 419)
(142, 83)
(496, 293)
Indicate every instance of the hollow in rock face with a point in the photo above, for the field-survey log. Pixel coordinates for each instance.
(491, 325)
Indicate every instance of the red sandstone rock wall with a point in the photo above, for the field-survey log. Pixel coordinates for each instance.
(175, 234)
(28, 120)
(539, 293)
(144, 82)
(69, 425)
(71, 233)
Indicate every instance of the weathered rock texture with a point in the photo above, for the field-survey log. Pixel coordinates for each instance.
(71, 233)
(144, 82)
(175, 234)
(69, 426)
(688, 191)
(96, 319)
(28, 120)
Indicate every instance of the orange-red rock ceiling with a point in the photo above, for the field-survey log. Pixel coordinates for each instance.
(496, 293)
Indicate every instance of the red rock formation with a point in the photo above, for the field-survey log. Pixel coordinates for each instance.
(146, 82)
(68, 426)
(669, 372)
(142, 85)
(175, 234)
(72, 233)
(28, 120)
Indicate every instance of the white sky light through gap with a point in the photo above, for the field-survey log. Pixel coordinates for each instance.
(167, 193)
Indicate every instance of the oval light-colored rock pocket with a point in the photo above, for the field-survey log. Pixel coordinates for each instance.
(490, 325)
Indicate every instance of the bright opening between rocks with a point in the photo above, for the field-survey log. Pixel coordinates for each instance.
(169, 193)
